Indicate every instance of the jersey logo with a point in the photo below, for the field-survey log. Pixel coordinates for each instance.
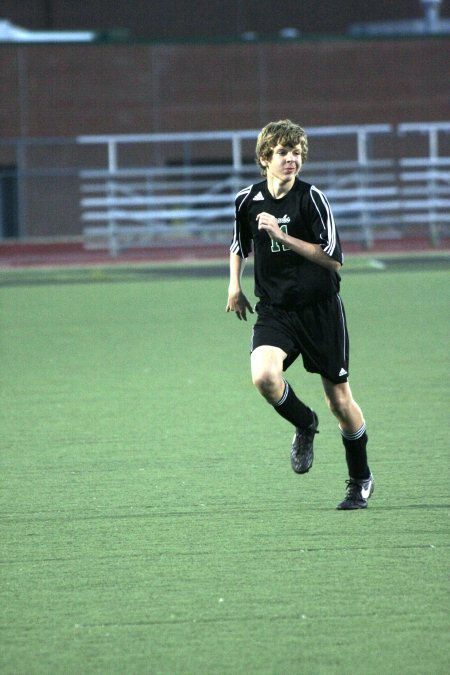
(275, 246)
(259, 197)
(284, 220)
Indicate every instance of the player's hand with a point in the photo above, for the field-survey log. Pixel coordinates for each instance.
(238, 303)
(269, 223)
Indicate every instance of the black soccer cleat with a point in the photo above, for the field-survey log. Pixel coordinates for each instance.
(359, 490)
(302, 451)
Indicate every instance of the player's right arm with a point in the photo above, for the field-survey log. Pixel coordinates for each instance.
(239, 250)
(237, 301)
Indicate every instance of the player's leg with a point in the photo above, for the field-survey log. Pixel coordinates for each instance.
(340, 401)
(267, 372)
(267, 375)
(354, 437)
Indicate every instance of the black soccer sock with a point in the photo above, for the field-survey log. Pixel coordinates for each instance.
(292, 409)
(356, 453)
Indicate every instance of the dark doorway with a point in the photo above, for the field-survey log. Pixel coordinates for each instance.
(9, 221)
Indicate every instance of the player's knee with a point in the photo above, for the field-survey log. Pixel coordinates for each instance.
(266, 383)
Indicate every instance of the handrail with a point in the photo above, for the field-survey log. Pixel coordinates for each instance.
(382, 180)
(374, 196)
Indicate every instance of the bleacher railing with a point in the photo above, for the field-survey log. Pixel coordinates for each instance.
(121, 191)
(372, 197)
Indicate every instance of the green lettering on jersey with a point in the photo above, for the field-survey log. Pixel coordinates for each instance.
(275, 245)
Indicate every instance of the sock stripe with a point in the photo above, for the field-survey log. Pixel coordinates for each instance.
(285, 395)
(353, 436)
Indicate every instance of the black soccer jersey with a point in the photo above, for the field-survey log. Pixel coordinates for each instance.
(282, 277)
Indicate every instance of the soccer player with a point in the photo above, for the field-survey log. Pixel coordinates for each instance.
(297, 258)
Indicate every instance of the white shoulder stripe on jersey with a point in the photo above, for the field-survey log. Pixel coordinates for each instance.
(236, 246)
(244, 190)
(327, 219)
(243, 193)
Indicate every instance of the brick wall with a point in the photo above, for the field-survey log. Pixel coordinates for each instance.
(67, 90)
(51, 90)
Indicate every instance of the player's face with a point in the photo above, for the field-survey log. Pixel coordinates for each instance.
(285, 163)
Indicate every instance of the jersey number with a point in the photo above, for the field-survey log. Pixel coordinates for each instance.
(275, 245)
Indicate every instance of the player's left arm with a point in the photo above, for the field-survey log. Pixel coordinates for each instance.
(312, 252)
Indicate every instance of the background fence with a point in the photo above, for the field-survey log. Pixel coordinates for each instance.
(122, 191)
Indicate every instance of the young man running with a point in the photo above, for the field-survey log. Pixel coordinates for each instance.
(297, 260)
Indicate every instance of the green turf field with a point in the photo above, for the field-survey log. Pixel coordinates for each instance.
(151, 522)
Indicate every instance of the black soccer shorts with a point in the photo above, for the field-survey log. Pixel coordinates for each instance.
(317, 332)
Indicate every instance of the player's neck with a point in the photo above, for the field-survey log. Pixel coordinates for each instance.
(279, 188)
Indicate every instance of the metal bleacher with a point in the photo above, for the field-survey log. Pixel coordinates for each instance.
(373, 196)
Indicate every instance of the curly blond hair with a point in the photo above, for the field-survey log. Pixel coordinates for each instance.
(283, 132)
